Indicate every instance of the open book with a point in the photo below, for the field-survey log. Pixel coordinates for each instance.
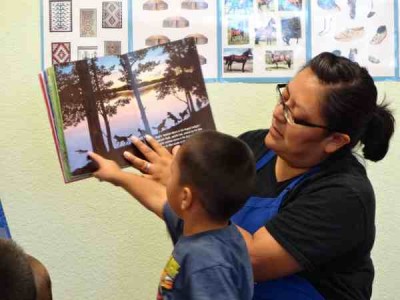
(98, 104)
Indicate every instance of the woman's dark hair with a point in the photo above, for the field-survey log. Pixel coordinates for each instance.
(350, 104)
(221, 169)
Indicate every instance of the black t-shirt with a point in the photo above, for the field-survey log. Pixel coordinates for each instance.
(327, 222)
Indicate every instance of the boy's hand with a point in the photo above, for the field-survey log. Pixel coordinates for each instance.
(148, 192)
(108, 169)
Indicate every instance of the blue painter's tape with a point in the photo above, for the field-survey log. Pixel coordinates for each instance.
(4, 230)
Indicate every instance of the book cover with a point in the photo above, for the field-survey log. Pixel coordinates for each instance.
(97, 104)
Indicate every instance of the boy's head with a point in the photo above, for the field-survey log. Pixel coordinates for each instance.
(16, 278)
(215, 169)
(20, 274)
(42, 279)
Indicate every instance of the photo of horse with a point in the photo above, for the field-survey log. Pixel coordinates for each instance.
(291, 29)
(266, 35)
(238, 31)
(238, 60)
(235, 7)
(265, 5)
(281, 59)
(290, 5)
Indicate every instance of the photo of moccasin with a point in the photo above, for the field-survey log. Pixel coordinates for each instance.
(350, 34)
(379, 36)
(373, 59)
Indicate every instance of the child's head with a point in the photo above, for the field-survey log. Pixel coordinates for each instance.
(216, 169)
(22, 277)
(42, 279)
(16, 278)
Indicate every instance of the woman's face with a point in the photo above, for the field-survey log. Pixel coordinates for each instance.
(300, 146)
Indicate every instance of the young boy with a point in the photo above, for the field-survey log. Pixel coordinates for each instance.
(22, 277)
(212, 176)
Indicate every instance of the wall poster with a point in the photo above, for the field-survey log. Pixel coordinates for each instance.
(237, 40)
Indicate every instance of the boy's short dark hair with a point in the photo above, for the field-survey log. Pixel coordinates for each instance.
(221, 170)
(16, 278)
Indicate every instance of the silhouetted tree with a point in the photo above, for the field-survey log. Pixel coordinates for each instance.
(104, 94)
(130, 77)
(84, 94)
(183, 73)
(77, 100)
(90, 105)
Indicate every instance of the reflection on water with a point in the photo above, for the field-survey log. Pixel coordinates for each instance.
(126, 121)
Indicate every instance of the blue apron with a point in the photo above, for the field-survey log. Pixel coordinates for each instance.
(255, 214)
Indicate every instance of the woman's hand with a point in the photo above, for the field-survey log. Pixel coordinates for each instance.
(158, 159)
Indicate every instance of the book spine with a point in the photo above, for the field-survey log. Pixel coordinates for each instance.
(45, 90)
(57, 121)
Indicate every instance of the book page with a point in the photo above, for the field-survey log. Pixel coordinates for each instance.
(101, 102)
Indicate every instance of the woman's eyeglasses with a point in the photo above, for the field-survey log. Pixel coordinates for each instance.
(287, 113)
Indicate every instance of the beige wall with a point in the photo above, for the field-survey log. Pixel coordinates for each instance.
(97, 242)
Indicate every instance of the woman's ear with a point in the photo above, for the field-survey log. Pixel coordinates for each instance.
(187, 198)
(335, 141)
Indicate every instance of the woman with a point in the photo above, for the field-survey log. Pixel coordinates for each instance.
(309, 226)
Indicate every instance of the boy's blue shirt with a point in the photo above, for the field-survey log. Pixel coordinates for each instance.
(210, 265)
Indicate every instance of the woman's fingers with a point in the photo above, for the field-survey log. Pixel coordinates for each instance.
(158, 148)
(149, 153)
(156, 164)
(175, 150)
(137, 163)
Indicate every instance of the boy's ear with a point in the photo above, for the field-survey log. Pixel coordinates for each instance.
(187, 198)
(336, 141)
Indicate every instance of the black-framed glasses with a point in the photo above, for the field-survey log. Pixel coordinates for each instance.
(287, 113)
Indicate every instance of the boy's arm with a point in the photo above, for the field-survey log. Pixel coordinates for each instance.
(149, 193)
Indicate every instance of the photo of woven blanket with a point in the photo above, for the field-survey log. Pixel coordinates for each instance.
(60, 52)
(88, 22)
(60, 16)
(86, 52)
(112, 47)
(112, 14)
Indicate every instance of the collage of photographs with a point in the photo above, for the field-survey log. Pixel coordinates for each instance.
(263, 37)
(73, 30)
(237, 40)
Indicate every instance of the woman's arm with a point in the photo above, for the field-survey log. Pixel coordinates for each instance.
(268, 258)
